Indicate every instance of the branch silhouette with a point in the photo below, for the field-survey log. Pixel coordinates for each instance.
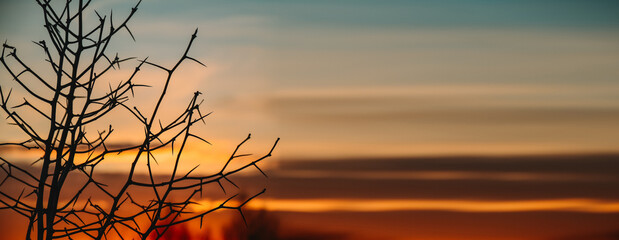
(70, 102)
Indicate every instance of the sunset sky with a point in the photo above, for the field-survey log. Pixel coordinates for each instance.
(366, 78)
(395, 83)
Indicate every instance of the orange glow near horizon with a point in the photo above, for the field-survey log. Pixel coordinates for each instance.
(455, 205)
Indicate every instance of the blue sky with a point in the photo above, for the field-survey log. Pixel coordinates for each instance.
(502, 13)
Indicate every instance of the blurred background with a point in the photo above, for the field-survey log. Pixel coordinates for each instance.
(399, 119)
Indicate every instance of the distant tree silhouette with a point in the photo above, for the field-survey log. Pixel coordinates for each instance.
(261, 224)
(71, 101)
(258, 225)
(178, 232)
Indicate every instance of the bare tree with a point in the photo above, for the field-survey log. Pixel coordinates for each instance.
(70, 101)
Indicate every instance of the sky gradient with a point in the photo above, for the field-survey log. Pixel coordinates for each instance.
(397, 78)
(397, 118)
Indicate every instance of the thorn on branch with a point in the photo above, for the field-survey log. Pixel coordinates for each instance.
(195, 60)
(192, 135)
(99, 16)
(195, 34)
(221, 186)
(255, 165)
